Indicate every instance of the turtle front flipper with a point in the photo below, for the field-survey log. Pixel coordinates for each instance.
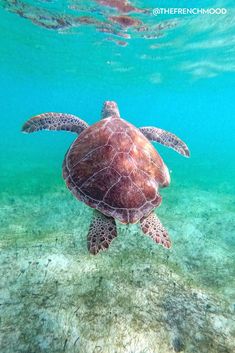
(55, 121)
(165, 138)
(152, 227)
(101, 233)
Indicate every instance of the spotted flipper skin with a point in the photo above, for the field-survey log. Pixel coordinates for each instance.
(152, 227)
(101, 233)
(55, 121)
(165, 138)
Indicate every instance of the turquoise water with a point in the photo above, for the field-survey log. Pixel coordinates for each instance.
(173, 72)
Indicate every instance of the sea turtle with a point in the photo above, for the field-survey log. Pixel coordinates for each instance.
(113, 168)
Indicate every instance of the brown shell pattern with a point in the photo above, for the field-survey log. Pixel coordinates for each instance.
(112, 167)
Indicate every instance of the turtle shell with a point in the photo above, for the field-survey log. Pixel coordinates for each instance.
(112, 167)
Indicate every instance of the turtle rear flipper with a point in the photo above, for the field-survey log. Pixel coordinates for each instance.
(55, 121)
(101, 233)
(166, 138)
(152, 227)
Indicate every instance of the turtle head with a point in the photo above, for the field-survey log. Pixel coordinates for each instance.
(109, 109)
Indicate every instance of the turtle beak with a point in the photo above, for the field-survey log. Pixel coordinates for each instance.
(110, 108)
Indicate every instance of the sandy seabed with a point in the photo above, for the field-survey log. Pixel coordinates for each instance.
(134, 298)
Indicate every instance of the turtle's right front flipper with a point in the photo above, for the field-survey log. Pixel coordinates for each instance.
(55, 121)
(166, 138)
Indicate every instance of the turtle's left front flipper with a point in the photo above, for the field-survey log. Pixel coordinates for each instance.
(152, 227)
(55, 121)
(165, 138)
(101, 233)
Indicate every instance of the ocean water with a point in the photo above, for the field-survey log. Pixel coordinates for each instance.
(176, 72)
